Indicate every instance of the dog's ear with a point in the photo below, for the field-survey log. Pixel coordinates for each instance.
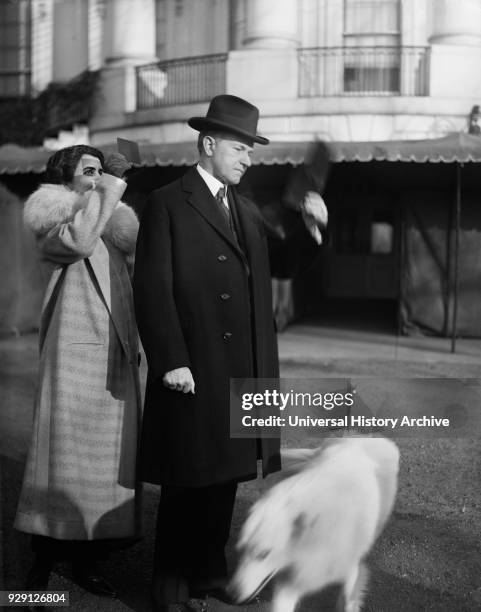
(298, 526)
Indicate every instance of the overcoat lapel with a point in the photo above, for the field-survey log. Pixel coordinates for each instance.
(202, 200)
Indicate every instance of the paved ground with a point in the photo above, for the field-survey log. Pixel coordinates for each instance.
(429, 557)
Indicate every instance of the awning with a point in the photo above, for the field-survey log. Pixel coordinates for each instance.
(186, 154)
(452, 148)
(15, 159)
(455, 147)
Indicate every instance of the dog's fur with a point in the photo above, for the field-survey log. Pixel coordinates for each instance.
(314, 528)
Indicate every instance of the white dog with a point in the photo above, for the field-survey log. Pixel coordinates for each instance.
(314, 528)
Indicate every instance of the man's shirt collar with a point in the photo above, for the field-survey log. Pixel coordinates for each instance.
(212, 183)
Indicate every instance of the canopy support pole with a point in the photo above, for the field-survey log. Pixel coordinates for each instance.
(456, 256)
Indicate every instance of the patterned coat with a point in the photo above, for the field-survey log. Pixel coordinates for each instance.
(80, 478)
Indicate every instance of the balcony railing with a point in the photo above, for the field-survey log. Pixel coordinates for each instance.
(363, 71)
(180, 81)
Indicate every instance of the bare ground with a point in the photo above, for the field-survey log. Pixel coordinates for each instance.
(429, 556)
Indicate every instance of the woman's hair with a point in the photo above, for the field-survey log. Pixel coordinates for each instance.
(61, 165)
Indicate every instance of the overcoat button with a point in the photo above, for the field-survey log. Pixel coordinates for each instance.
(221, 257)
(227, 335)
(225, 296)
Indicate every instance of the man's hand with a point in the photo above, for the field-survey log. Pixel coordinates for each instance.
(180, 379)
(314, 213)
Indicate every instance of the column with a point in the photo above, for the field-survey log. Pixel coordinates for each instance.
(271, 24)
(455, 50)
(456, 22)
(129, 33)
(70, 39)
(265, 67)
(128, 41)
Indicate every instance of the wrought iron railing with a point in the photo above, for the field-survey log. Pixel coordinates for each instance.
(181, 81)
(364, 71)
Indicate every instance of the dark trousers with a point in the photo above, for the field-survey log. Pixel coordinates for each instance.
(193, 526)
(81, 551)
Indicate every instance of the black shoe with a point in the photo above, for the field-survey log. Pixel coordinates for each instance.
(39, 574)
(37, 579)
(89, 579)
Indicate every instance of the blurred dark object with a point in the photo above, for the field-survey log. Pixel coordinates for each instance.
(282, 302)
(291, 254)
(473, 124)
(117, 165)
(28, 120)
(312, 175)
(291, 257)
(141, 181)
(129, 149)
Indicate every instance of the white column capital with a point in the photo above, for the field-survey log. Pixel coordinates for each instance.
(129, 31)
(456, 22)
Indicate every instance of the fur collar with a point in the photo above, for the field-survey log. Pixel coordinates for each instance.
(52, 204)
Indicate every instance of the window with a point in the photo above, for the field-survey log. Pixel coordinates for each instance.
(15, 48)
(382, 233)
(372, 40)
(364, 231)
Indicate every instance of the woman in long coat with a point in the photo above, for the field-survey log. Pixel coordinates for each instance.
(80, 479)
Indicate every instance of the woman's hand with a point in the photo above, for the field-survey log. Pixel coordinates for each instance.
(110, 190)
(117, 165)
(83, 185)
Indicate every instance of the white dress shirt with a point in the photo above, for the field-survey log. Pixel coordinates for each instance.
(213, 184)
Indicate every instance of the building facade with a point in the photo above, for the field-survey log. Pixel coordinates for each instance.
(327, 69)
(345, 71)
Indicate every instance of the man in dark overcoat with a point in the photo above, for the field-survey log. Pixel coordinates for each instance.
(202, 291)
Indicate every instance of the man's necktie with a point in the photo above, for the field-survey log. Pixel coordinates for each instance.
(226, 212)
(222, 207)
(220, 196)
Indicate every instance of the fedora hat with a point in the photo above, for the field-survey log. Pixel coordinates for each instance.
(231, 114)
